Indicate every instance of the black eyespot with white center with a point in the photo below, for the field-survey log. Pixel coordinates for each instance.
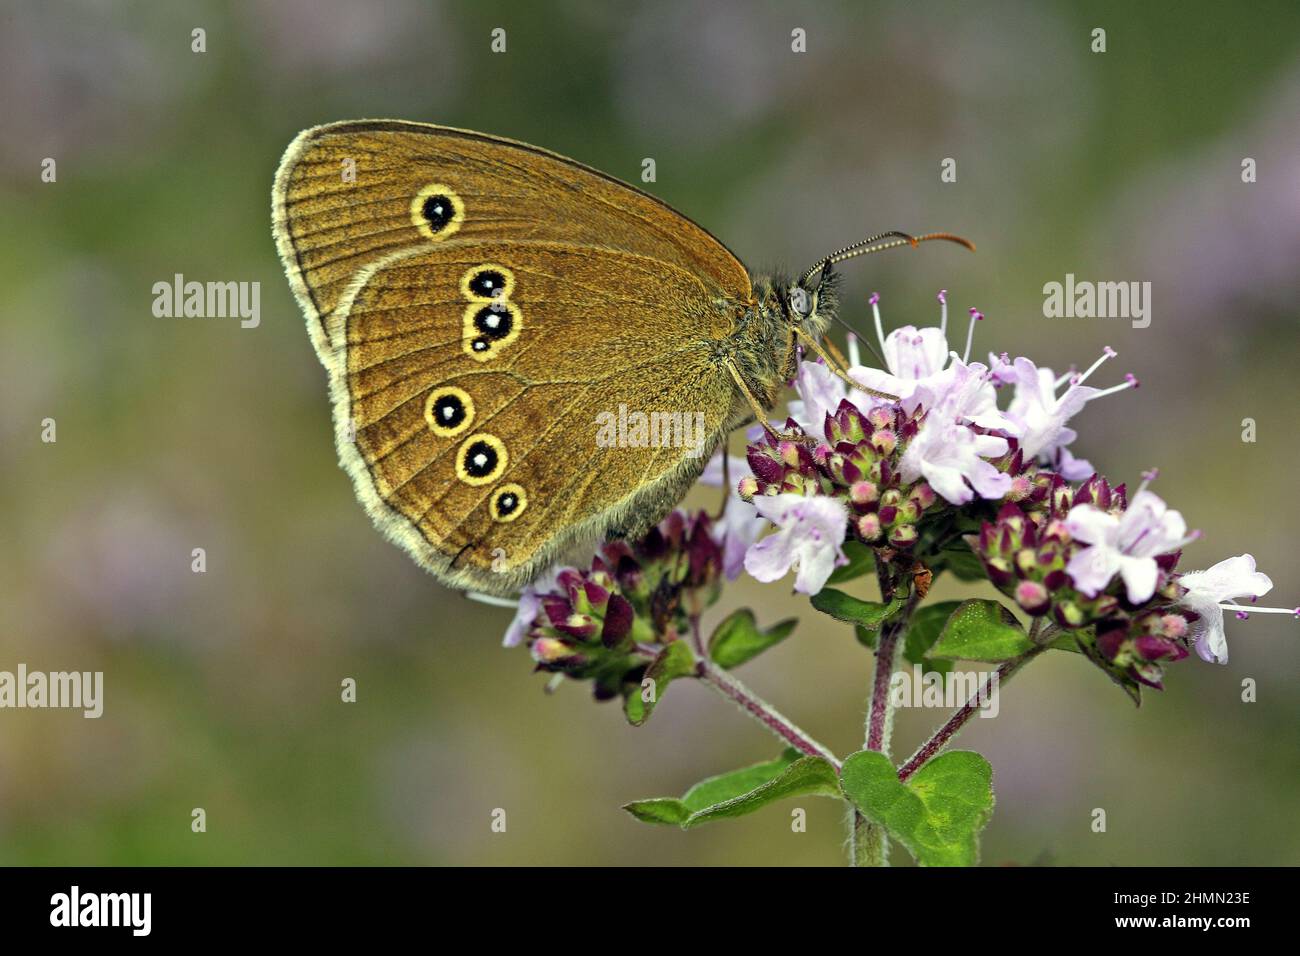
(449, 411)
(481, 459)
(508, 502)
(487, 283)
(438, 211)
(494, 321)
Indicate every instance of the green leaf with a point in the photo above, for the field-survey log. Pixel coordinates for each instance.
(981, 631)
(937, 815)
(739, 638)
(851, 610)
(707, 792)
(865, 637)
(741, 791)
(663, 810)
(807, 775)
(674, 661)
(861, 561)
(923, 630)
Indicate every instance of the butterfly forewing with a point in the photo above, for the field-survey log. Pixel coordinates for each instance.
(344, 195)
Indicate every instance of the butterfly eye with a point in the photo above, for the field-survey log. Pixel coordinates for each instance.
(508, 503)
(488, 281)
(481, 459)
(801, 302)
(449, 411)
(437, 211)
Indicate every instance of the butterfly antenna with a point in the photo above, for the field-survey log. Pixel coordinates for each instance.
(877, 243)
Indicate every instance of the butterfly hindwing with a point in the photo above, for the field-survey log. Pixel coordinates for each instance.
(586, 339)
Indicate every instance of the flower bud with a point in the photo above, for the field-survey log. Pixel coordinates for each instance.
(863, 493)
(550, 650)
(903, 536)
(869, 527)
(924, 495)
(1021, 488)
(1069, 615)
(881, 416)
(1032, 597)
(1174, 625)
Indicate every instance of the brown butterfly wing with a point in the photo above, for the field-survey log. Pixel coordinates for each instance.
(343, 202)
(590, 330)
(614, 300)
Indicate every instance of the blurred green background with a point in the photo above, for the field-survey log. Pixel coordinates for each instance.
(222, 689)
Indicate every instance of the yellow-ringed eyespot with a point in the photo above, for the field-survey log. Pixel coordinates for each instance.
(437, 211)
(449, 411)
(489, 327)
(487, 283)
(508, 502)
(481, 459)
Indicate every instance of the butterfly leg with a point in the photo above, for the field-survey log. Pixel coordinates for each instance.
(836, 354)
(813, 344)
(775, 433)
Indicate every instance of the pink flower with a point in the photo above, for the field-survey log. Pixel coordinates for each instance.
(951, 458)
(809, 534)
(915, 359)
(1038, 414)
(1229, 580)
(1126, 544)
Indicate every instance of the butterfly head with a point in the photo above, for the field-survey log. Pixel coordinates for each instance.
(810, 305)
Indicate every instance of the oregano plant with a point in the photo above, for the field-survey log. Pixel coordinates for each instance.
(868, 502)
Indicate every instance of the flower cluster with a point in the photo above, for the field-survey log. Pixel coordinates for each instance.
(607, 622)
(1084, 558)
(855, 478)
(881, 466)
(1089, 560)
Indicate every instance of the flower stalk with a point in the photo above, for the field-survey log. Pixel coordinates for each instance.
(760, 710)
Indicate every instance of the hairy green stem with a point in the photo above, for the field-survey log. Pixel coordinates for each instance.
(760, 710)
(945, 734)
(868, 842)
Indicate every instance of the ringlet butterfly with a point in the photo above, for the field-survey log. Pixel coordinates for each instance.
(478, 303)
